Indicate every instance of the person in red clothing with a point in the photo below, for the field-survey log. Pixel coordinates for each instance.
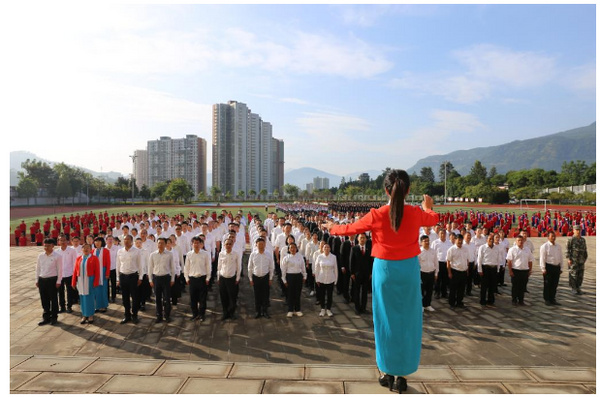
(397, 305)
(23, 227)
(47, 227)
(39, 238)
(32, 232)
(54, 234)
(67, 231)
(22, 240)
(17, 235)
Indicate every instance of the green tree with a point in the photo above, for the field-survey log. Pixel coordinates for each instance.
(159, 189)
(179, 189)
(445, 171)
(27, 188)
(145, 193)
(589, 176)
(63, 188)
(241, 194)
(263, 194)
(478, 174)
(290, 190)
(41, 173)
(427, 175)
(252, 193)
(215, 193)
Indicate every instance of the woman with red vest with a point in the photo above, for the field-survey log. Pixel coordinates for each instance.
(397, 302)
(103, 256)
(86, 277)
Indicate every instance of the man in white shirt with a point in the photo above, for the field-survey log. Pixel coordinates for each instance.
(469, 245)
(197, 271)
(520, 265)
(48, 276)
(441, 247)
(229, 271)
(261, 268)
(487, 267)
(69, 256)
(112, 250)
(161, 269)
(429, 271)
(129, 278)
(551, 263)
(457, 268)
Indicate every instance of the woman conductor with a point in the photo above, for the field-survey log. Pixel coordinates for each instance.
(397, 306)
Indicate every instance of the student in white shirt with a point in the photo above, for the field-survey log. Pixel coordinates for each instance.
(520, 265)
(261, 268)
(197, 271)
(229, 271)
(457, 268)
(326, 275)
(293, 274)
(429, 271)
(551, 263)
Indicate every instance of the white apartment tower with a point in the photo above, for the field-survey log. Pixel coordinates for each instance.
(184, 158)
(242, 150)
(140, 168)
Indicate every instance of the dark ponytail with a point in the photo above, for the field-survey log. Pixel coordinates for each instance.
(396, 184)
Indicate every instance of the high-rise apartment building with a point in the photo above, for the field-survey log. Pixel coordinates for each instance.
(320, 183)
(184, 158)
(140, 168)
(243, 151)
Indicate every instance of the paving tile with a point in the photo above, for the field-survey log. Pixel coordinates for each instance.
(203, 369)
(123, 366)
(463, 388)
(142, 385)
(341, 372)
(564, 375)
(375, 388)
(591, 387)
(432, 374)
(546, 388)
(66, 382)
(501, 374)
(54, 364)
(302, 387)
(18, 359)
(267, 371)
(19, 378)
(222, 386)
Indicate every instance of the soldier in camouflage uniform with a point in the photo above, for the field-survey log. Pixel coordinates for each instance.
(576, 255)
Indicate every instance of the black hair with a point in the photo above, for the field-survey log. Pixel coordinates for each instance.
(424, 237)
(396, 183)
(102, 242)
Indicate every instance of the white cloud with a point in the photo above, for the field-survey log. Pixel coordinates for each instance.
(581, 79)
(367, 15)
(486, 70)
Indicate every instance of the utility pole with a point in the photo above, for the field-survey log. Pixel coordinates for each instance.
(445, 180)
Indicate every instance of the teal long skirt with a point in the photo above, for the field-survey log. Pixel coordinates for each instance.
(397, 315)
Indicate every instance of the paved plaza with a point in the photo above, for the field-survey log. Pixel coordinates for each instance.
(524, 349)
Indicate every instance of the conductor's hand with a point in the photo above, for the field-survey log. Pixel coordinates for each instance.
(427, 203)
(329, 225)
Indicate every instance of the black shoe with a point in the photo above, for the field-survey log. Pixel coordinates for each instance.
(44, 322)
(548, 303)
(469, 294)
(555, 303)
(168, 319)
(461, 305)
(233, 317)
(102, 310)
(257, 315)
(401, 385)
(125, 320)
(143, 308)
(62, 310)
(357, 312)
(135, 319)
(194, 318)
(224, 317)
(521, 303)
(90, 321)
(202, 319)
(514, 303)
(54, 321)
(387, 381)
(83, 320)
(69, 310)
(266, 315)
(436, 296)
(159, 320)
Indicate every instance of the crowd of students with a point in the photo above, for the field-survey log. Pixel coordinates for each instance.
(154, 258)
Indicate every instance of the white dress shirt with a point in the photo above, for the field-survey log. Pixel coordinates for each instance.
(49, 266)
(488, 256)
(229, 265)
(326, 270)
(458, 258)
(197, 264)
(552, 254)
(428, 261)
(292, 264)
(472, 248)
(161, 264)
(519, 258)
(69, 256)
(441, 249)
(129, 262)
(260, 265)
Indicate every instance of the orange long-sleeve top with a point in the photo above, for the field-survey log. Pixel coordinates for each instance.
(92, 269)
(387, 243)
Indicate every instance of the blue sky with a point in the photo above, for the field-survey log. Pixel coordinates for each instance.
(347, 87)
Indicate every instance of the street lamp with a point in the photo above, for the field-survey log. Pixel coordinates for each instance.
(445, 180)
(132, 175)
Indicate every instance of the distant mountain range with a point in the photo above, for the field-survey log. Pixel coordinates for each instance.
(302, 176)
(546, 152)
(19, 157)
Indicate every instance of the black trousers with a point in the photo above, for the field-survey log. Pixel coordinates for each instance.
(144, 291)
(488, 285)
(130, 293)
(176, 290)
(441, 286)
(360, 289)
(49, 297)
(162, 290)
(198, 292)
(310, 278)
(457, 287)
(112, 285)
(519, 282)
(261, 293)
(282, 286)
(65, 284)
(427, 281)
(325, 291)
(228, 290)
(551, 282)
(294, 290)
(471, 277)
(501, 275)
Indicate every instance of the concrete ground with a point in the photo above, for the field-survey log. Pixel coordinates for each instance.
(525, 349)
